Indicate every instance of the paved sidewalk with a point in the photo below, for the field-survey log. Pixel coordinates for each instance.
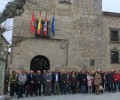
(105, 96)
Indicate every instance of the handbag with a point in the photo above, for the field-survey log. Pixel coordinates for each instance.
(100, 87)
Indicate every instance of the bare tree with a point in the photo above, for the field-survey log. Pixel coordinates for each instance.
(12, 9)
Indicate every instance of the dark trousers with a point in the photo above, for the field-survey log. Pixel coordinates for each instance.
(68, 88)
(47, 88)
(37, 89)
(29, 89)
(43, 85)
(12, 89)
(106, 87)
(6, 87)
(52, 88)
(73, 87)
(25, 87)
(64, 88)
(119, 86)
(16, 88)
(20, 90)
(115, 86)
(83, 88)
(110, 87)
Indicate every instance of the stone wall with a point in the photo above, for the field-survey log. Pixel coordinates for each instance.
(54, 50)
(80, 23)
(111, 21)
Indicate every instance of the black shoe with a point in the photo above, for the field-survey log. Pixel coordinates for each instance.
(31, 95)
(26, 95)
(39, 94)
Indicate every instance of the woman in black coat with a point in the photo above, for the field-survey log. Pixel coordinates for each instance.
(73, 81)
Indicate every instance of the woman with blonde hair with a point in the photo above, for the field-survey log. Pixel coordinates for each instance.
(97, 81)
(89, 82)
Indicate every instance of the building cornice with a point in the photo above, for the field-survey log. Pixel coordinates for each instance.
(111, 14)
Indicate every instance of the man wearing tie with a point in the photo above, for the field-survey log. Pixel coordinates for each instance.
(56, 82)
(48, 79)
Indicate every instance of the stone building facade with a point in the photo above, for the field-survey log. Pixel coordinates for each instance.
(82, 37)
(3, 61)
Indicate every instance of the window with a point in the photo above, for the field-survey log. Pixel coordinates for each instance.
(42, 34)
(114, 57)
(114, 35)
(92, 62)
(64, 1)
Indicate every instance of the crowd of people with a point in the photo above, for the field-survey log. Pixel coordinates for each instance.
(61, 82)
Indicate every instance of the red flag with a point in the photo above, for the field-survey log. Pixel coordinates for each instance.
(45, 25)
(32, 23)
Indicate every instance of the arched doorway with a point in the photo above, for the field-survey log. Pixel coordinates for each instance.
(40, 63)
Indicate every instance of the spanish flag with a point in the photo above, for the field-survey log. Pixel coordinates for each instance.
(32, 23)
(39, 25)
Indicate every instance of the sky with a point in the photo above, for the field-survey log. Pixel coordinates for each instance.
(111, 5)
(107, 5)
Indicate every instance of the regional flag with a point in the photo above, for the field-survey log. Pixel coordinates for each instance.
(45, 25)
(32, 23)
(52, 26)
(39, 25)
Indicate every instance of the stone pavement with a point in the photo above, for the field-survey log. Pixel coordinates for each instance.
(105, 96)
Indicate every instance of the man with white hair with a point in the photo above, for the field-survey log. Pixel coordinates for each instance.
(48, 79)
(22, 78)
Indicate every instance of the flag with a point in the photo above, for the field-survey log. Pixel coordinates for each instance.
(32, 23)
(39, 25)
(52, 26)
(45, 25)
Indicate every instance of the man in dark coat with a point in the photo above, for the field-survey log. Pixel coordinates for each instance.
(109, 80)
(30, 83)
(83, 81)
(38, 82)
(6, 81)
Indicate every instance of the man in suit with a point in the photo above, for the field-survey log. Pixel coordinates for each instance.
(30, 83)
(43, 83)
(48, 79)
(56, 82)
(38, 82)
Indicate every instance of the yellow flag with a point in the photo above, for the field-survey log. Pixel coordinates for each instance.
(39, 25)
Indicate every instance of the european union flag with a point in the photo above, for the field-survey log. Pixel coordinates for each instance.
(52, 26)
